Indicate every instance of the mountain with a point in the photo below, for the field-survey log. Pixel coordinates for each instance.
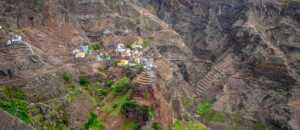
(217, 64)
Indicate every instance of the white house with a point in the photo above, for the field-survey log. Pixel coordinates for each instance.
(15, 40)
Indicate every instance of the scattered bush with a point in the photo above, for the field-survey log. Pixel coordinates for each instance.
(102, 92)
(136, 112)
(208, 114)
(188, 125)
(38, 4)
(195, 125)
(93, 123)
(67, 76)
(94, 46)
(121, 86)
(109, 83)
(130, 125)
(147, 42)
(14, 93)
(14, 102)
(177, 125)
(83, 80)
(156, 126)
(260, 126)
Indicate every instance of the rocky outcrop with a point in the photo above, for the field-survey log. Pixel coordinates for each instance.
(261, 37)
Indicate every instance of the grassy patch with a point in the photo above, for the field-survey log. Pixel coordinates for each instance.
(156, 126)
(113, 104)
(74, 92)
(147, 42)
(50, 116)
(235, 121)
(130, 125)
(190, 125)
(13, 101)
(194, 125)
(93, 123)
(121, 86)
(116, 97)
(205, 110)
(187, 102)
(260, 126)
(67, 76)
(83, 80)
(131, 109)
(95, 89)
(94, 46)
(109, 83)
(178, 125)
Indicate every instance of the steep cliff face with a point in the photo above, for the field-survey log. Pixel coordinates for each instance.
(261, 35)
(241, 55)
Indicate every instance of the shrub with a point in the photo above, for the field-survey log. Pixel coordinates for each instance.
(156, 126)
(188, 125)
(147, 42)
(93, 123)
(109, 83)
(102, 92)
(205, 110)
(38, 4)
(67, 76)
(14, 102)
(134, 111)
(121, 86)
(94, 46)
(177, 125)
(15, 93)
(260, 126)
(130, 125)
(195, 125)
(83, 80)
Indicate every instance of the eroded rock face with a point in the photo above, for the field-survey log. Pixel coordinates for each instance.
(242, 54)
(262, 37)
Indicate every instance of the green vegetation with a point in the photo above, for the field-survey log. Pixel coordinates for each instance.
(194, 125)
(235, 120)
(73, 92)
(205, 110)
(121, 86)
(94, 46)
(83, 80)
(113, 104)
(109, 83)
(178, 125)
(147, 42)
(50, 116)
(58, 128)
(139, 113)
(93, 123)
(260, 126)
(38, 4)
(156, 126)
(190, 125)
(130, 125)
(187, 102)
(116, 96)
(67, 76)
(13, 101)
(102, 92)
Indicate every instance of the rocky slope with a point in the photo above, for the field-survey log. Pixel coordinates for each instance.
(240, 55)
